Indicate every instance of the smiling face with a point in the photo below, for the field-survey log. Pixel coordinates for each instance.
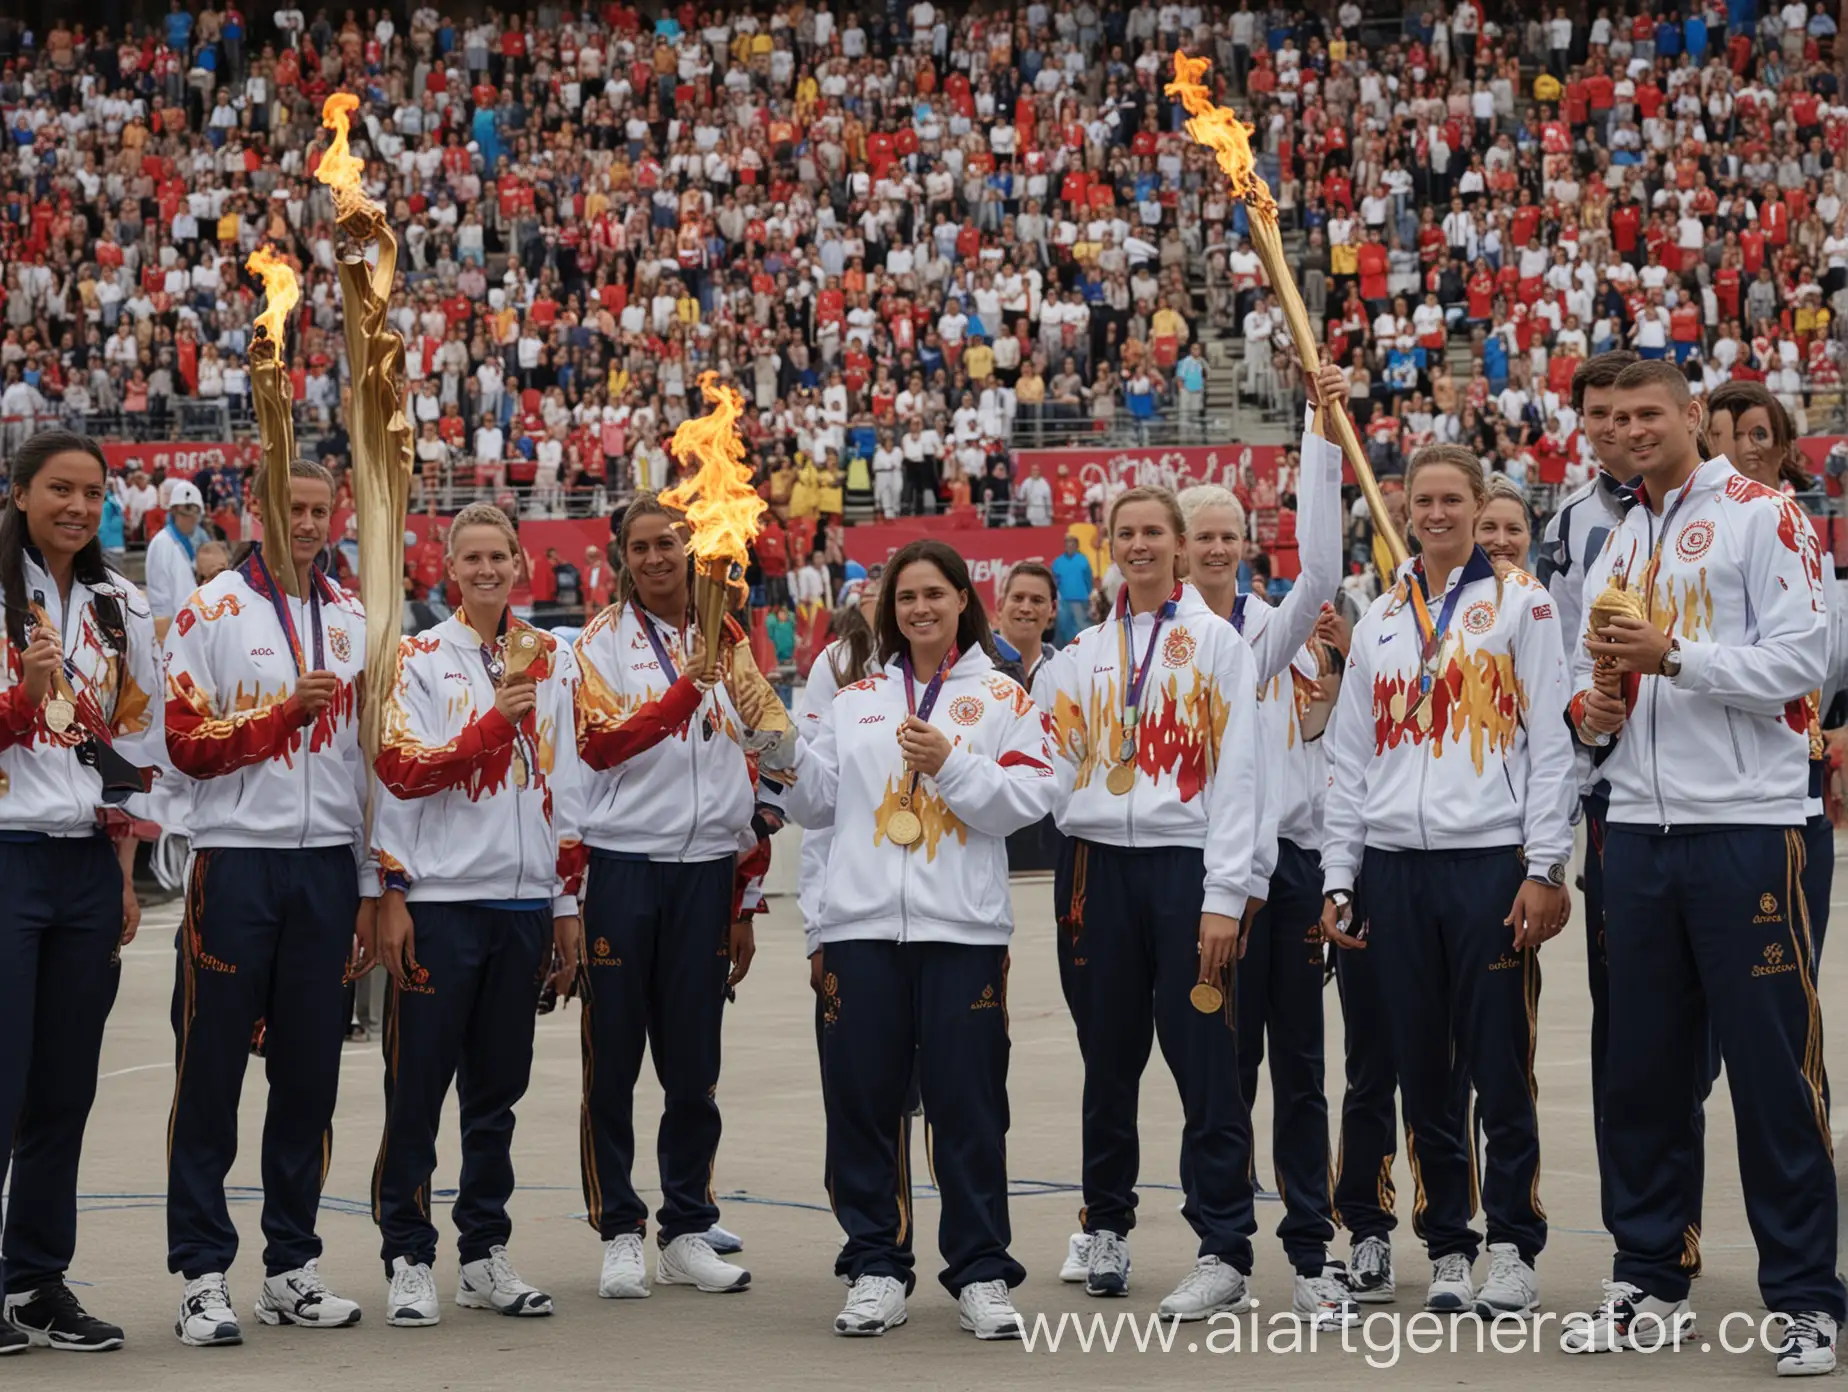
(1502, 531)
(483, 564)
(1658, 432)
(1443, 510)
(1143, 543)
(657, 558)
(1746, 440)
(311, 510)
(1215, 546)
(1026, 609)
(63, 503)
(927, 606)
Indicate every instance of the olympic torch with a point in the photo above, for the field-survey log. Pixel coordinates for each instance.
(725, 513)
(273, 395)
(1219, 129)
(376, 423)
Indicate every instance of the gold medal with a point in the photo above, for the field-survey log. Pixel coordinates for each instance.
(903, 827)
(1396, 707)
(1121, 779)
(60, 715)
(1207, 998)
(519, 771)
(6, 784)
(1423, 714)
(522, 649)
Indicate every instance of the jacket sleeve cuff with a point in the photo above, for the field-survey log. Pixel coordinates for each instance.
(1337, 877)
(1695, 658)
(1260, 890)
(497, 731)
(1228, 902)
(564, 906)
(16, 711)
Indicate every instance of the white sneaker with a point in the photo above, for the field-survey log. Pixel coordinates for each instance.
(1452, 1289)
(1077, 1258)
(206, 1317)
(1107, 1265)
(1808, 1349)
(724, 1241)
(874, 1305)
(302, 1297)
(987, 1311)
(1370, 1272)
(411, 1302)
(1211, 1288)
(1326, 1299)
(625, 1274)
(1513, 1287)
(690, 1261)
(493, 1284)
(1628, 1319)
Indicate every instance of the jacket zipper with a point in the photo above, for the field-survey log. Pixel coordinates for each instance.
(693, 743)
(904, 895)
(519, 821)
(307, 757)
(1732, 733)
(1655, 762)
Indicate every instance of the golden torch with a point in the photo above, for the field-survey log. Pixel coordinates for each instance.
(724, 513)
(1615, 600)
(1219, 129)
(274, 394)
(376, 423)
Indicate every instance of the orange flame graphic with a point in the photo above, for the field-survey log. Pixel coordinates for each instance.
(1219, 129)
(280, 289)
(340, 169)
(721, 505)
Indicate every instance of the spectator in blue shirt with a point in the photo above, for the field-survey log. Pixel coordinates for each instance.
(179, 29)
(1073, 573)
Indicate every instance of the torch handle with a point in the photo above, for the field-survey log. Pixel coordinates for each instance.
(1269, 244)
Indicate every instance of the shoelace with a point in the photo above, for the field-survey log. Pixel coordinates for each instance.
(1506, 1265)
(501, 1272)
(1370, 1257)
(310, 1284)
(1617, 1293)
(1331, 1290)
(868, 1294)
(1206, 1272)
(1453, 1267)
(1107, 1251)
(1805, 1330)
(63, 1299)
(413, 1283)
(989, 1296)
(210, 1293)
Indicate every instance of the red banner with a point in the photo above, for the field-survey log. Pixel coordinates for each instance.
(1176, 467)
(990, 551)
(180, 459)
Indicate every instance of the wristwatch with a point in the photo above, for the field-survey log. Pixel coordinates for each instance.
(1340, 898)
(1671, 660)
(1554, 874)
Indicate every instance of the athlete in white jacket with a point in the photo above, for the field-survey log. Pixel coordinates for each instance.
(171, 552)
(1280, 972)
(1449, 815)
(922, 771)
(669, 800)
(1161, 792)
(476, 838)
(1707, 754)
(78, 667)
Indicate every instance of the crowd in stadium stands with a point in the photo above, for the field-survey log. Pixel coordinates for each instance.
(919, 236)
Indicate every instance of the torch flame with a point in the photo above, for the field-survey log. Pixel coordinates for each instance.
(280, 290)
(1219, 129)
(721, 505)
(340, 169)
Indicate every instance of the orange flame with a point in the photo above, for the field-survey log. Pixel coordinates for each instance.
(721, 505)
(280, 289)
(340, 169)
(1219, 129)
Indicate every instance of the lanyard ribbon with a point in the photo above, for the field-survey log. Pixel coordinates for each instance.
(671, 672)
(1432, 634)
(1135, 678)
(1654, 564)
(280, 603)
(922, 709)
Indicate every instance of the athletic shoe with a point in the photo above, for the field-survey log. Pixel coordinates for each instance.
(1211, 1288)
(206, 1317)
(493, 1284)
(1107, 1269)
(690, 1261)
(1808, 1349)
(1077, 1258)
(1326, 1299)
(1370, 1271)
(412, 1301)
(723, 1241)
(302, 1297)
(1452, 1289)
(625, 1274)
(874, 1305)
(13, 1340)
(50, 1317)
(1626, 1319)
(987, 1311)
(1513, 1287)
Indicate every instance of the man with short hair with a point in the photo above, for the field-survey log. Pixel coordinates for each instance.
(1707, 757)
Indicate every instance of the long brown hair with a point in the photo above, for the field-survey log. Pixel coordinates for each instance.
(1736, 398)
(645, 505)
(87, 566)
(971, 625)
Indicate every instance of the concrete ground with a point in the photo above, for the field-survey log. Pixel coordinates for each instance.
(778, 1334)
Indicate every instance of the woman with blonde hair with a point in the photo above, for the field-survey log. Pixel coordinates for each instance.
(1156, 718)
(1505, 526)
(1444, 859)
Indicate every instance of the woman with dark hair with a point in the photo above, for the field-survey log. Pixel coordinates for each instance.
(670, 798)
(75, 716)
(263, 715)
(913, 923)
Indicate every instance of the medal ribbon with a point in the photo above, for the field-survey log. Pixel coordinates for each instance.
(1432, 634)
(922, 709)
(1135, 678)
(671, 672)
(280, 603)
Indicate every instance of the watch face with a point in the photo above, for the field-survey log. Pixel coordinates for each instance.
(1556, 874)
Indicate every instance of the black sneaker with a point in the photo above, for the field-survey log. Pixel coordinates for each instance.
(13, 1340)
(51, 1318)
